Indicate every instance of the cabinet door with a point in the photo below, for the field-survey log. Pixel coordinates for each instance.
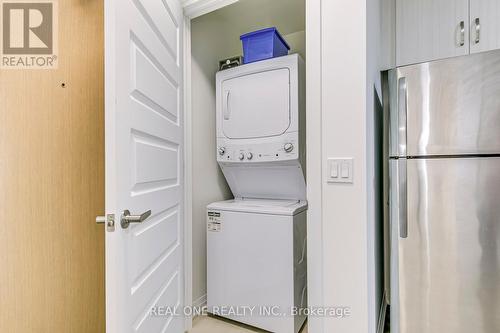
(484, 25)
(431, 29)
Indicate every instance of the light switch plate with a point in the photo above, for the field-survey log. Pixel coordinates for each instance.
(340, 170)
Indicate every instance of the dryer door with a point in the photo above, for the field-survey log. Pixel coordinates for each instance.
(256, 105)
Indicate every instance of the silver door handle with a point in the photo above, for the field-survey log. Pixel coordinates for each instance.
(403, 199)
(127, 218)
(462, 34)
(402, 115)
(478, 30)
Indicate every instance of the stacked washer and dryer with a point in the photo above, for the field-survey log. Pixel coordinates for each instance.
(256, 243)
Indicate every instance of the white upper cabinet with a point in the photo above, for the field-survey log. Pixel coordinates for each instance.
(484, 25)
(427, 30)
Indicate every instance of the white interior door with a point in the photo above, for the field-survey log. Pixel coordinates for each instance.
(144, 143)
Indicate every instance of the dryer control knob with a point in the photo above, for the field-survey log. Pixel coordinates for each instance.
(288, 147)
(249, 156)
(241, 156)
(222, 151)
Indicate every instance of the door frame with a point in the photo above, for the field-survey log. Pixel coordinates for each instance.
(193, 9)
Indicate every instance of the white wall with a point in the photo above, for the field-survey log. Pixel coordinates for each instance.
(213, 37)
(208, 182)
(346, 255)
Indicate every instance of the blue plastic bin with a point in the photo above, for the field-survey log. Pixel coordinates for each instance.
(263, 44)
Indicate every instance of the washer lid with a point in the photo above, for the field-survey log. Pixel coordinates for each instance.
(262, 206)
(274, 180)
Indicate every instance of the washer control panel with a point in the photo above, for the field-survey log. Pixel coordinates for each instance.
(268, 152)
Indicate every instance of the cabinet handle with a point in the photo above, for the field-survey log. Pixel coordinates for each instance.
(461, 42)
(478, 30)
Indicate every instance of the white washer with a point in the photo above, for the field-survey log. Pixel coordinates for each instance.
(256, 259)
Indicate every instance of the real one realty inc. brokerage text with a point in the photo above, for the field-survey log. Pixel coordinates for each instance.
(243, 311)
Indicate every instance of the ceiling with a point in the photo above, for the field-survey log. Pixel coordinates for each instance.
(247, 15)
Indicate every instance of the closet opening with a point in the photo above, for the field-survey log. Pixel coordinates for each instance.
(246, 194)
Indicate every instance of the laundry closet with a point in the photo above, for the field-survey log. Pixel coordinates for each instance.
(247, 163)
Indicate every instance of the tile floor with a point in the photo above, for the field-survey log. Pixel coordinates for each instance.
(205, 324)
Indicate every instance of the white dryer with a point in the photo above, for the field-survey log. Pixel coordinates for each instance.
(261, 128)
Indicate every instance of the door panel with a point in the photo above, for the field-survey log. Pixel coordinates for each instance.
(484, 25)
(427, 30)
(453, 106)
(449, 266)
(144, 151)
(52, 184)
(256, 105)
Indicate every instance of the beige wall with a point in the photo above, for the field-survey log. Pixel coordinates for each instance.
(213, 38)
(52, 184)
(297, 42)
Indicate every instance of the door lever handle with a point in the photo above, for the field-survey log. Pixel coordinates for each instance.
(127, 218)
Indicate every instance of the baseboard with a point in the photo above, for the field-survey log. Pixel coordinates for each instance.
(200, 302)
(382, 314)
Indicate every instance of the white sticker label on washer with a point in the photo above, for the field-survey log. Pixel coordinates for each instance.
(214, 222)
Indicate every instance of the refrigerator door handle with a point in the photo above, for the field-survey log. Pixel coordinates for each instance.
(402, 114)
(403, 199)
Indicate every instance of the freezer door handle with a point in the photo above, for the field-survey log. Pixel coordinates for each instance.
(403, 199)
(402, 114)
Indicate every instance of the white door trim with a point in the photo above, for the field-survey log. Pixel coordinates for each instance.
(188, 176)
(315, 263)
(192, 9)
(195, 8)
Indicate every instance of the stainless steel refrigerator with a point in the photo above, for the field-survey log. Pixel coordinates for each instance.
(445, 196)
